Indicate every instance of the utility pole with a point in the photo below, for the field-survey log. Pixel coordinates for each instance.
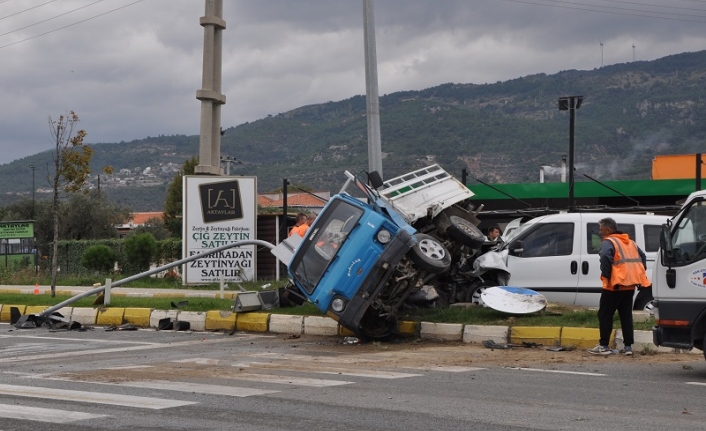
(371, 90)
(571, 104)
(210, 92)
(33, 189)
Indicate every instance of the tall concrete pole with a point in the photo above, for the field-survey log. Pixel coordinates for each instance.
(210, 92)
(371, 90)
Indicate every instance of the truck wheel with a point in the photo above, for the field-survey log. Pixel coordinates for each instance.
(430, 254)
(465, 232)
(375, 327)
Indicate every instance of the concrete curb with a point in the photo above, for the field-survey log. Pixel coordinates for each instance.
(215, 320)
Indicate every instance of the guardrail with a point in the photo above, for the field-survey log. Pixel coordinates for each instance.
(73, 299)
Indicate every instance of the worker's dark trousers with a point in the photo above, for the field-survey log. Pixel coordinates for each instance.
(612, 300)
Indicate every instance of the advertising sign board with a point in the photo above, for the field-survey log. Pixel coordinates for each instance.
(219, 211)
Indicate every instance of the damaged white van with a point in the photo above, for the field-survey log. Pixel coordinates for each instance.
(557, 255)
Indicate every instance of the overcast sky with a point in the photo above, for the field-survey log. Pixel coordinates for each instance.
(130, 69)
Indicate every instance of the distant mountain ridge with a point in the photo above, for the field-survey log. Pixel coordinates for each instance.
(502, 132)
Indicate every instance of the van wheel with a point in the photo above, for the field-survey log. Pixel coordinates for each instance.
(430, 255)
(465, 232)
(645, 301)
(477, 289)
(645, 304)
(375, 327)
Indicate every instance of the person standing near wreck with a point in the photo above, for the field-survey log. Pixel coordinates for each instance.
(623, 267)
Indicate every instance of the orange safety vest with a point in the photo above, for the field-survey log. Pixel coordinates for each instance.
(628, 271)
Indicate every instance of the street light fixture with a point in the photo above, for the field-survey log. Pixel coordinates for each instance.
(228, 160)
(32, 168)
(571, 104)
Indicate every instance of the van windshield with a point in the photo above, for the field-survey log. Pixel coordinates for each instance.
(322, 243)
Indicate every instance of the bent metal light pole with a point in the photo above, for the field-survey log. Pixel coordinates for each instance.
(571, 104)
(100, 289)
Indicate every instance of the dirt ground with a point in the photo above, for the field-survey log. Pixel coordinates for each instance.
(316, 354)
(462, 354)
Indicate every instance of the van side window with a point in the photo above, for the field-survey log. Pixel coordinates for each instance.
(594, 240)
(551, 239)
(652, 237)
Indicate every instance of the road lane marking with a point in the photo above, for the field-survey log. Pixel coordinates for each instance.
(94, 340)
(166, 385)
(38, 414)
(287, 380)
(311, 358)
(325, 369)
(696, 383)
(580, 373)
(91, 397)
(91, 352)
(370, 373)
(447, 369)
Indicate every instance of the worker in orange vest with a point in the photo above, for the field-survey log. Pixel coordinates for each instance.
(623, 267)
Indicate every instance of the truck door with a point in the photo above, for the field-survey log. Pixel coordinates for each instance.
(548, 262)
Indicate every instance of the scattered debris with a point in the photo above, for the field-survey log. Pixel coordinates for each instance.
(180, 304)
(167, 324)
(562, 348)
(490, 344)
(124, 327)
(53, 321)
(351, 340)
(100, 299)
(513, 300)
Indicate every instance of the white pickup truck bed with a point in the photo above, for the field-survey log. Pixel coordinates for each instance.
(426, 191)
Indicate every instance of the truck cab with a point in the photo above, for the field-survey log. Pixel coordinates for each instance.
(679, 278)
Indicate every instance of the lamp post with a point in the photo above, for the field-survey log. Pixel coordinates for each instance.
(571, 104)
(228, 160)
(32, 168)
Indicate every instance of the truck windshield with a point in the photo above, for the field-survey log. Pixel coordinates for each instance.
(689, 235)
(324, 239)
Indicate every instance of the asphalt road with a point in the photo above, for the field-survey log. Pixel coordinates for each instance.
(148, 380)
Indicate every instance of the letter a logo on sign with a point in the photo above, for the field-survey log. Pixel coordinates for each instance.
(221, 201)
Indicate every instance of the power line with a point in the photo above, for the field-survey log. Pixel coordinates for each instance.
(23, 11)
(579, 6)
(49, 19)
(70, 25)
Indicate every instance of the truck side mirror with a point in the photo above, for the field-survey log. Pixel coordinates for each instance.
(516, 248)
(665, 246)
(375, 179)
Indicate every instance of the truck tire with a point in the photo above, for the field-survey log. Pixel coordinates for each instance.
(465, 232)
(430, 255)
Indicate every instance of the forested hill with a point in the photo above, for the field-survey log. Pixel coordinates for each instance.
(500, 132)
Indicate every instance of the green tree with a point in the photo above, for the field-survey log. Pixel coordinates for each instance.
(173, 210)
(71, 169)
(154, 226)
(99, 258)
(139, 250)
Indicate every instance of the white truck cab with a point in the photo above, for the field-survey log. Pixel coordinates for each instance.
(557, 255)
(679, 278)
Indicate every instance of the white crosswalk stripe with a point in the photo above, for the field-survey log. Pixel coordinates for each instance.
(38, 414)
(91, 397)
